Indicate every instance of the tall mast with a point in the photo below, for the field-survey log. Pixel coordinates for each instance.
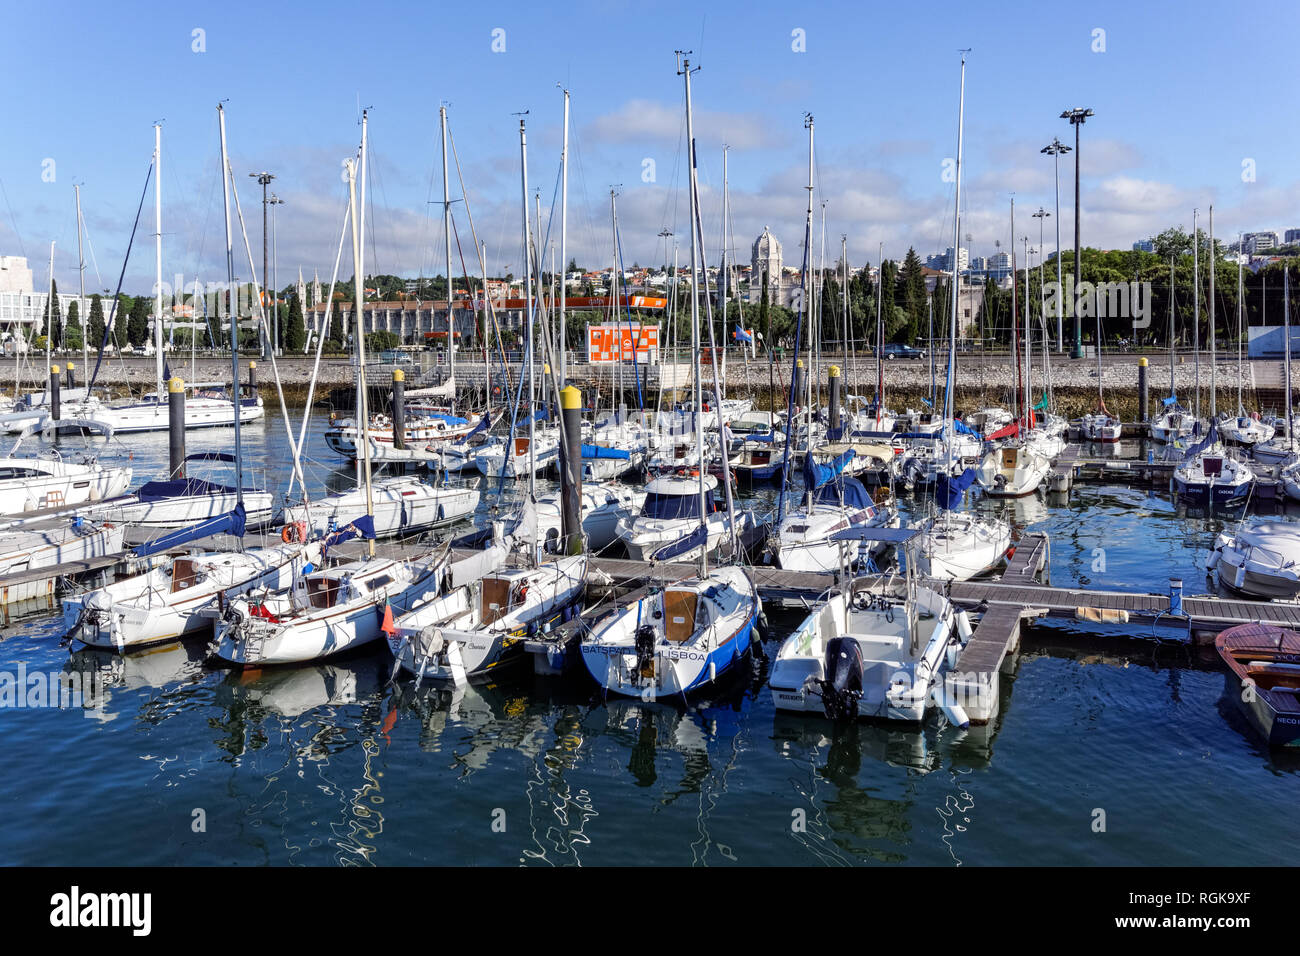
(49, 322)
(880, 336)
(1015, 319)
(698, 398)
(1172, 392)
(157, 254)
(1196, 315)
(1214, 412)
(359, 291)
(1029, 348)
(844, 298)
(446, 228)
(1286, 359)
(564, 239)
(231, 308)
(81, 293)
(528, 298)
(956, 245)
(1241, 409)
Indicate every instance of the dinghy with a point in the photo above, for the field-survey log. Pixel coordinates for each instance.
(1264, 661)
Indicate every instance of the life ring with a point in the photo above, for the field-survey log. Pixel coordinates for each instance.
(294, 533)
(496, 391)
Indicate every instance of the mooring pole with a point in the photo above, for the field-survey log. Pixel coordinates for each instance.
(399, 408)
(176, 428)
(70, 376)
(1143, 415)
(54, 392)
(571, 471)
(834, 388)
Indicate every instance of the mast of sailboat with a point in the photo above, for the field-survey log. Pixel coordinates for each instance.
(157, 254)
(880, 338)
(1196, 318)
(528, 302)
(446, 229)
(684, 71)
(844, 318)
(1214, 408)
(564, 240)
(1029, 348)
(956, 245)
(1015, 319)
(1172, 392)
(1286, 356)
(81, 293)
(1241, 409)
(231, 309)
(358, 252)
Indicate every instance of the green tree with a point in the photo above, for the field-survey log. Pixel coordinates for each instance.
(295, 334)
(95, 321)
(72, 335)
(137, 326)
(53, 320)
(909, 295)
(765, 316)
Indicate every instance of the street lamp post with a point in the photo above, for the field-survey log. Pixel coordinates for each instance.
(264, 179)
(1054, 149)
(1077, 118)
(1042, 296)
(275, 276)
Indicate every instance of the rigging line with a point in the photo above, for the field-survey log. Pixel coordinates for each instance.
(112, 315)
(13, 219)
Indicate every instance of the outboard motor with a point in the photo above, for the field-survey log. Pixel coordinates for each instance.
(842, 686)
(645, 650)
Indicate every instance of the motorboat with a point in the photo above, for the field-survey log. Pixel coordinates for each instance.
(1013, 470)
(50, 481)
(1264, 662)
(401, 504)
(1262, 561)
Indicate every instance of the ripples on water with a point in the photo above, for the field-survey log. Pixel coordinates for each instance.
(325, 765)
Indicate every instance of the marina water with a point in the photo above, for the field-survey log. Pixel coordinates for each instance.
(181, 763)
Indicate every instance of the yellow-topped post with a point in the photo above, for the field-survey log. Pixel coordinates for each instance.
(571, 470)
(53, 396)
(176, 428)
(833, 374)
(399, 408)
(1143, 383)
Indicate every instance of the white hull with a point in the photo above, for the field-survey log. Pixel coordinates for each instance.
(959, 546)
(154, 416)
(185, 510)
(401, 506)
(28, 484)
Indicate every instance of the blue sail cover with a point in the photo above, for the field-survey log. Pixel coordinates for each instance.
(855, 495)
(693, 540)
(211, 456)
(815, 475)
(1171, 400)
(599, 452)
(362, 527)
(232, 522)
(180, 488)
(481, 426)
(961, 428)
(450, 419)
(1204, 443)
(948, 489)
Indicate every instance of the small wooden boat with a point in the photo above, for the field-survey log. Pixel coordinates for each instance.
(1265, 660)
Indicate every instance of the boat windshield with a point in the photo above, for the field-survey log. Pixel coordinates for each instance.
(666, 507)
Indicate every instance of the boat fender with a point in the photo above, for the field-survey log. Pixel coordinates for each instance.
(953, 651)
(964, 630)
(956, 714)
(713, 672)
(294, 532)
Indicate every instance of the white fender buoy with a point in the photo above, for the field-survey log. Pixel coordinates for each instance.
(952, 656)
(713, 672)
(964, 629)
(956, 714)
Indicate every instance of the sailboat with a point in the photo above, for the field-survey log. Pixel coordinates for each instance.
(1174, 422)
(833, 501)
(1284, 450)
(691, 634)
(875, 649)
(186, 593)
(955, 544)
(1207, 475)
(1243, 429)
(331, 610)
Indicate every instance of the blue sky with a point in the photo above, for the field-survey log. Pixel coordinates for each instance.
(1176, 119)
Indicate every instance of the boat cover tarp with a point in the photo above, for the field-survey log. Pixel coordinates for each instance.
(181, 488)
(449, 419)
(1006, 431)
(211, 456)
(600, 452)
(948, 489)
(815, 475)
(476, 566)
(855, 495)
(887, 535)
(693, 540)
(483, 425)
(961, 428)
(1211, 438)
(362, 527)
(232, 523)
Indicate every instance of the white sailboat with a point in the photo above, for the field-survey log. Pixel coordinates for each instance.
(804, 539)
(1261, 562)
(400, 505)
(1283, 450)
(690, 635)
(1243, 429)
(50, 481)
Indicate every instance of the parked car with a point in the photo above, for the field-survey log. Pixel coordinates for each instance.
(893, 350)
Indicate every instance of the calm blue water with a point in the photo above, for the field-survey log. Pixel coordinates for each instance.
(328, 766)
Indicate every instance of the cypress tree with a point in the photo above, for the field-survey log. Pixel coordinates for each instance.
(95, 322)
(53, 321)
(295, 333)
